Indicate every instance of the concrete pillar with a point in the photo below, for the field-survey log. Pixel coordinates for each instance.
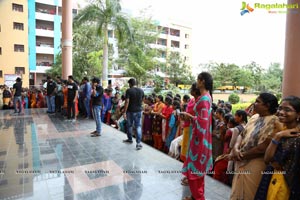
(67, 18)
(291, 72)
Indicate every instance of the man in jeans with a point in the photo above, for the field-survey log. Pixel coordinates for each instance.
(96, 97)
(86, 94)
(17, 94)
(133, 112)
(50, 98)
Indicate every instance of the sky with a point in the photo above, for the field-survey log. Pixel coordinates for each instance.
(220, 33)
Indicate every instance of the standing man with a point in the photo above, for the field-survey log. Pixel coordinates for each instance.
(96, 97)
(17, 95)
(86, 93)
(59, 97)
(72, 97)
(133, 112)
(50, 98)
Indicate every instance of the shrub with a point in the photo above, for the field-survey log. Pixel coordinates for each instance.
(233, 98)
(239, 106)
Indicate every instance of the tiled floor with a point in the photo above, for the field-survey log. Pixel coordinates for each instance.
(43, 157)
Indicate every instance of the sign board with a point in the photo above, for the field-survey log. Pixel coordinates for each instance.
(10, 79)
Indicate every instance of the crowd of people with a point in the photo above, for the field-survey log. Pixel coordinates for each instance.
(256, 151)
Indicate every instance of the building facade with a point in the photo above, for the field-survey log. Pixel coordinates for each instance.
(14, 54)
(174, 37)
(33, 32)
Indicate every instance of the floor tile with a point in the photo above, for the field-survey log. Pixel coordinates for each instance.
(69, 164)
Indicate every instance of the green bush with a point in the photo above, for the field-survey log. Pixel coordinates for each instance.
(239, 106)
(233, 98)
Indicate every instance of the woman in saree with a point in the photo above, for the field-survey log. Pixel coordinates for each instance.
(166, 116)
(156, 122)
(173, 124)
(147, 124)
(251, 144)
(199, 158)
(65, 93)
(281, 179)
(33, 98)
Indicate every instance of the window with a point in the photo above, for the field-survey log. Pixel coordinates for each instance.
(162, 42)
(17, 7)
(18, 26)
(175, 32)
(187, 35)
(0, 50)
(19, 48)
(186, 58)
(19, 70)
(175, 44)
(186, 46)
(1, 74)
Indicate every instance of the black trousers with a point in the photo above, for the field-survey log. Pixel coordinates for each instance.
(71, 110)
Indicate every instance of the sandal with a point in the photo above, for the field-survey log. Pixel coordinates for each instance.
(184, 181)
(188, 198)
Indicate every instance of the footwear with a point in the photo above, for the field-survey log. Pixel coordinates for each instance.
(189, 198)
(96, 134)
(139, 147)
(184, 181)
(73, 120)
(128, 141)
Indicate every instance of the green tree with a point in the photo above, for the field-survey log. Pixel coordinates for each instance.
(272, 78)
(85, 44)
(177, 70)
(137, 57)
(56, 69)
(224, 74)
(105, 14)
(256, 73)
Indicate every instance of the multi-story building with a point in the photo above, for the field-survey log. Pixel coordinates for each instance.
(174, 37)
(33, 35)
(14, 54)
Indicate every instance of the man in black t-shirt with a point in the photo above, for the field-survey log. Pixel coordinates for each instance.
(133, 112)
(17, 95)
(72, 97)
(50, 98)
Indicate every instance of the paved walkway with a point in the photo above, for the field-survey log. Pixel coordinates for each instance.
(44, 157)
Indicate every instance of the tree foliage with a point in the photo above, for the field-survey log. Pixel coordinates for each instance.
(177, 71)
(251, 75)
(86, 44)
(138, 58)
(105, 14)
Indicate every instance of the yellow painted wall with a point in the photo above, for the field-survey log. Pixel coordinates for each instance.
(8, 37)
